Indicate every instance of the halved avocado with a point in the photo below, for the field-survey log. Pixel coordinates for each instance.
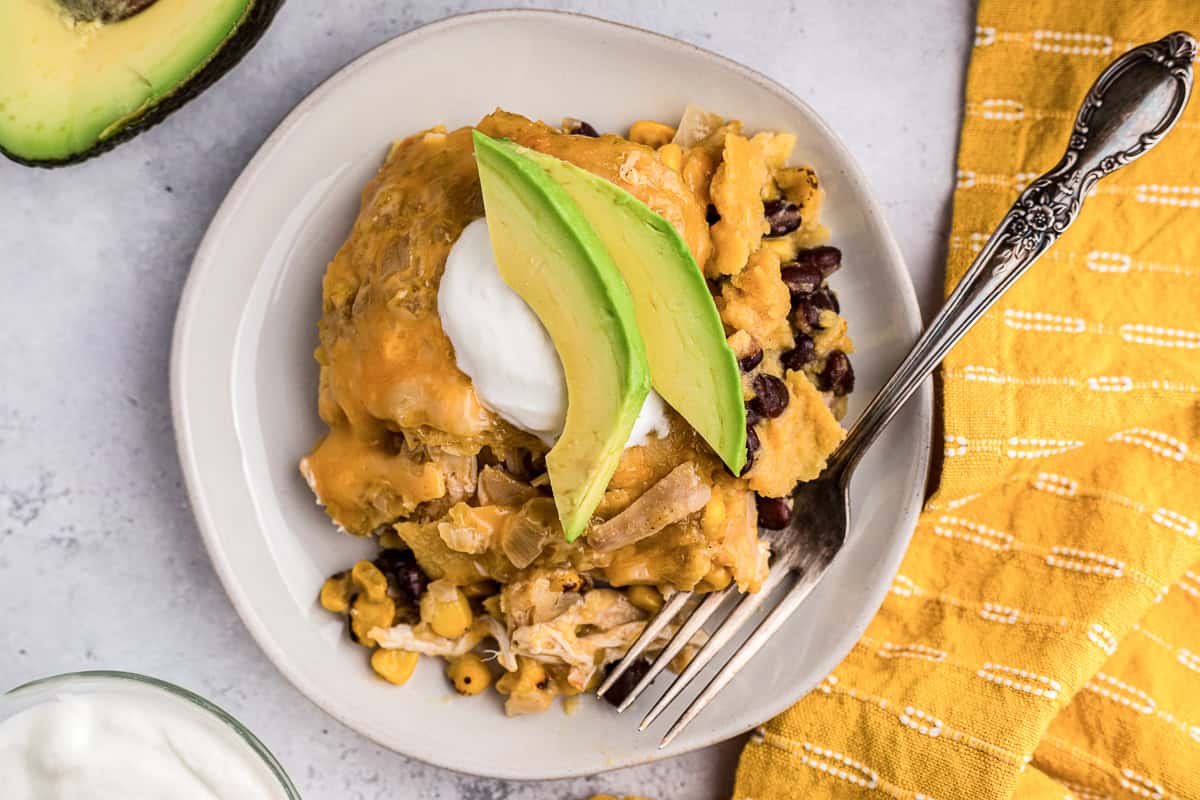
(80, 76)
(691, 364)
(549, 254)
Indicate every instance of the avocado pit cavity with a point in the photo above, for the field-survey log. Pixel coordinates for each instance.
(106, 11)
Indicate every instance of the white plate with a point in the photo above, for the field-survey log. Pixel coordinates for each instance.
(243, 379)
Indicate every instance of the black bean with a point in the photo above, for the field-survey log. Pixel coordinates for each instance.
(772, 394)
(712, 215)
(402, 569)
(754, 413)
(581, 128)
(838, 375)
(774, 513)
(825, 299)
(806, 316)
(782, 216)
(749, 362)
(629, 679)
(518, 462)
(800, 355)
(801, 280)
(752, 445)
(825, 258)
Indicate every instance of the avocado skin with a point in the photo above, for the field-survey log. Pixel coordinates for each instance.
(253, 25)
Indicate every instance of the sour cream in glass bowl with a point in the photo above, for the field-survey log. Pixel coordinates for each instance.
(121, 736)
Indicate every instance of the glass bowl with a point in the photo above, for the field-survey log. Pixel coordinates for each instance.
(43, 690)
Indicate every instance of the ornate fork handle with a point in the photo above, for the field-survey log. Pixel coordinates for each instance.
(1130, 107)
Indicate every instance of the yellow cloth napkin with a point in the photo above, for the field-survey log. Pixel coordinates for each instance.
(1042, 639)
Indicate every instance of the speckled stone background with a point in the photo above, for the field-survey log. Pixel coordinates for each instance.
(100, 561)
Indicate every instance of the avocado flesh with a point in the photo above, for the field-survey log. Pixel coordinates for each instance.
(66, 86)
(691, 364)
(549, 254)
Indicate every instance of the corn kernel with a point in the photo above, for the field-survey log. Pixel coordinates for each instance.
(672, 156)
(335, 593)
(650, 132)
(390, 540)
(369, 579)
(684, 657)
(394, 666)
(783, 246)
(566, 580)
(469, 674)
(530, 676)
(366, 614)
(717, 579)
(529, 689)
(450, 617)
(647, 598)
(713, 519)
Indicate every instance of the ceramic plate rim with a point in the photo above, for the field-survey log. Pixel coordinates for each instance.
(202, 264)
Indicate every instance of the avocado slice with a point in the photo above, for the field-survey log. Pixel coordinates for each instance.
(549, 254)
(691, 364)
(80, 76)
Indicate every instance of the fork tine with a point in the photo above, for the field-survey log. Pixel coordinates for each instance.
(765, 630)
(682, 636)
(663, 618)
(721, 636)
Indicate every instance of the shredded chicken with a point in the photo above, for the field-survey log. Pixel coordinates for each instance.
(594, 631)
(504, 654)
(530, 690)
(682, 492)
(539, 595)
(420, 639)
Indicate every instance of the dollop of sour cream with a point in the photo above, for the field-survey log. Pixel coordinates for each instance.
(502, 347)
(118, 746)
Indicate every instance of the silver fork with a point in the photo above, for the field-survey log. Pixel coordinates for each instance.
(1132, 105)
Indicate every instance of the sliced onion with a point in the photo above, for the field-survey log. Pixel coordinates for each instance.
(463, 539)
(498, 488)
(526, 534)
(695, 126)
